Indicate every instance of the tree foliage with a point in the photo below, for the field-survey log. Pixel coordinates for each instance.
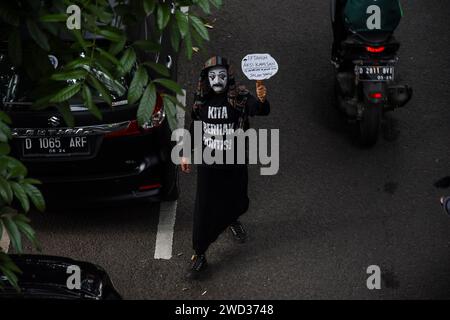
(93, 63)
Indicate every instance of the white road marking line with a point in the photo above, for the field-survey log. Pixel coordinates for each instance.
(168, 210)
(4, 241)
(164, 238)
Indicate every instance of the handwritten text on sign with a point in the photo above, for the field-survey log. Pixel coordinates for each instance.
(259, 66)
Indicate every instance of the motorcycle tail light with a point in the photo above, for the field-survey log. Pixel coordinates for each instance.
(376, 95)
(134, 129)
(375, 49)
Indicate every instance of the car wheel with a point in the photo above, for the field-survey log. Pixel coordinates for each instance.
(170, 189)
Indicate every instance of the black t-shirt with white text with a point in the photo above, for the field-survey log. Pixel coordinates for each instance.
(219, 121)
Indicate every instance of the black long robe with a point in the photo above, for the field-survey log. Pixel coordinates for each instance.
(222, 189)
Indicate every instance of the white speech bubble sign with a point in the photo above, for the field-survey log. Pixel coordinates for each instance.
(259, 66)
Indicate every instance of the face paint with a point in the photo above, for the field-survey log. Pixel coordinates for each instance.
(218, 79)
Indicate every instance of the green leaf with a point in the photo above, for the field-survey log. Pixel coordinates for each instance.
(175, 37)
(171, 112)
(51, 27)
(64, 110)
(8, 271)
(149, 6)
(42, 103)
(137, 85)
(199, 27)
(127, 61)
(31, 181)
(175, 101)
(108, 56)
(4, 149)
(15, 48)
(5, 118)
(79, 38)
(69, 75)
(204, 4)
(9, 14)
(13, 233)
(216, 3)
(57, 17)
(8, 263)
(15, 168)
(25, 228)
(111, 35)
(35, 195)
(163, 15)
(147, 45)
(87, 97)
(182, 22)
(160, 68)
(171, 85)
(6, 130)
(104, 16)
(117, 47)
(147, 105)
(4, 163)
(77, 63)
(21, 195)
(188, 43)
(66, 93)
(5, 191)
(38, 35)
(104, 94)
(3, 137)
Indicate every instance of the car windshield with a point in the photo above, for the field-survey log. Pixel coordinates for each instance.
(17, 88)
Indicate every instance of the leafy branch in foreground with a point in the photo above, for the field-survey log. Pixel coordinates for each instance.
(95, 64)
(16, 190)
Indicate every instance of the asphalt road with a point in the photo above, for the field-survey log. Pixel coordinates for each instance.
(333, 209)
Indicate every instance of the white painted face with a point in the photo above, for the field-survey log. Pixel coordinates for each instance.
(218, 79)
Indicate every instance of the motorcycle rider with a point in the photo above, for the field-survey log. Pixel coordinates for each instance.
(352, 16)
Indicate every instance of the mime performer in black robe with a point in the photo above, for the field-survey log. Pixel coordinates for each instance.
(222, 189)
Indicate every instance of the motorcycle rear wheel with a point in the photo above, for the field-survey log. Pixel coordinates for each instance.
(369, 126)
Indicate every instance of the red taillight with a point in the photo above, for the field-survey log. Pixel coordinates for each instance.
(376, 95)
(133, 128)
(149, 187)
(375, 49)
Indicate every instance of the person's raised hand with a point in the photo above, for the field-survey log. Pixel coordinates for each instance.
(185, 165)
(261, 91)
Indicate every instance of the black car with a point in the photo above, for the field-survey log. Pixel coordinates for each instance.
(97, 161)
(49, 277)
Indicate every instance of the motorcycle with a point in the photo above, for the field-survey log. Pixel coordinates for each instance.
(366, 85)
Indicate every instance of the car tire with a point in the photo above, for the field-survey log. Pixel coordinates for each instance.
(170, 182)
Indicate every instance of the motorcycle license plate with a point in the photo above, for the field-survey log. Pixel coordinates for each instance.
(375, 73)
